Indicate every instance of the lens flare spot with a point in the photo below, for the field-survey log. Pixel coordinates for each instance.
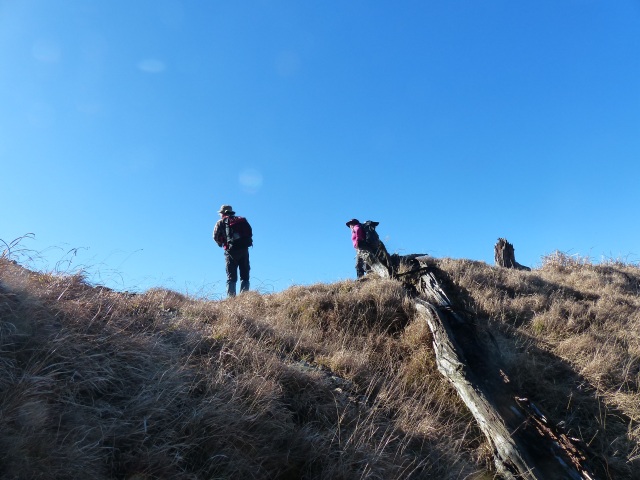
(250, 180)
(151, 65)
(46, 51)
(287, 64)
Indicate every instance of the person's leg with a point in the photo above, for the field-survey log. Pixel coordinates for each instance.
(231, 266)
(243, 263)
(360, 263)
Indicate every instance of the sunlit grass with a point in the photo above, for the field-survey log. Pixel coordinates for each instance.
(323, 381)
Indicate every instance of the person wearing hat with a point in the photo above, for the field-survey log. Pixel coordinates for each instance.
(370, 251)
(234, 234)
(359, 240)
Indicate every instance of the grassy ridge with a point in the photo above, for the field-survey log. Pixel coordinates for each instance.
(323, 381)
(327, 381)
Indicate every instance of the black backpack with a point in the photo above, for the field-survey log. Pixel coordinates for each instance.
(371, 237)
(238, 232)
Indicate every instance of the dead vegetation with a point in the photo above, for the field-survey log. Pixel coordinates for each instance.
(323, 381)
(569, 332)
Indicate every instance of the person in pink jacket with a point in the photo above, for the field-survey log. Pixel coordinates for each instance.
(359, 243)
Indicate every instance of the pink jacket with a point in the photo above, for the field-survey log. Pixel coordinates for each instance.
(357, 234)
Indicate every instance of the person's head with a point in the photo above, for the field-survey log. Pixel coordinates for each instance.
(226, 210)
(352, 223)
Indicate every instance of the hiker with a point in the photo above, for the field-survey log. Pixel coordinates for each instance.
(368, 246)
(234, 234)
(358, 239)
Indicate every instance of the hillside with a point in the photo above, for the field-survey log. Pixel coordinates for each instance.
(333, 381)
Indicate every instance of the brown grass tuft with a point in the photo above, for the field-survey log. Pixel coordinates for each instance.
(569, 333)
(324, 381)
(318, 382)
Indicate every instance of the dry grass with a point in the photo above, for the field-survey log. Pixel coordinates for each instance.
(319, 382)
(316, 382)
(570, 335)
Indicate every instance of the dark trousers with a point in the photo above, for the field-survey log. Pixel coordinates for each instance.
(237, 259)
(362, 259)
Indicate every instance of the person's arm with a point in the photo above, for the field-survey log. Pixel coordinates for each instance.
(218, 235)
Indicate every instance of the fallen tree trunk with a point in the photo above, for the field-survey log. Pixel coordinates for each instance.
(504, 255)
(525, 445)
(391, 266)
(376, 266)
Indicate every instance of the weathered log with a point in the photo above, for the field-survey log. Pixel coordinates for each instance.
(504, 255)
(525, 445)
(379, 261)
(389, 266)
(375, 265)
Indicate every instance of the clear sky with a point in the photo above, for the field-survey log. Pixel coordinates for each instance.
(124, 125)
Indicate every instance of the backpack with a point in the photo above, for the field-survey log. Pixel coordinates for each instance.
(371, 237)
(238, 232)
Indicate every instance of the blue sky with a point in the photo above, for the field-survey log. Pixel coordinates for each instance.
(124, 125)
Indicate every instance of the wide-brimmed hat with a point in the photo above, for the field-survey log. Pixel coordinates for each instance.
(226, 209)
(353, 221)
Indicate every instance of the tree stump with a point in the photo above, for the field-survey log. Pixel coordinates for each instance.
(504, 255)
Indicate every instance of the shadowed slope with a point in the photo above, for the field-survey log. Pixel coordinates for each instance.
(327, 381)
(322, 381)
(567, 335)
